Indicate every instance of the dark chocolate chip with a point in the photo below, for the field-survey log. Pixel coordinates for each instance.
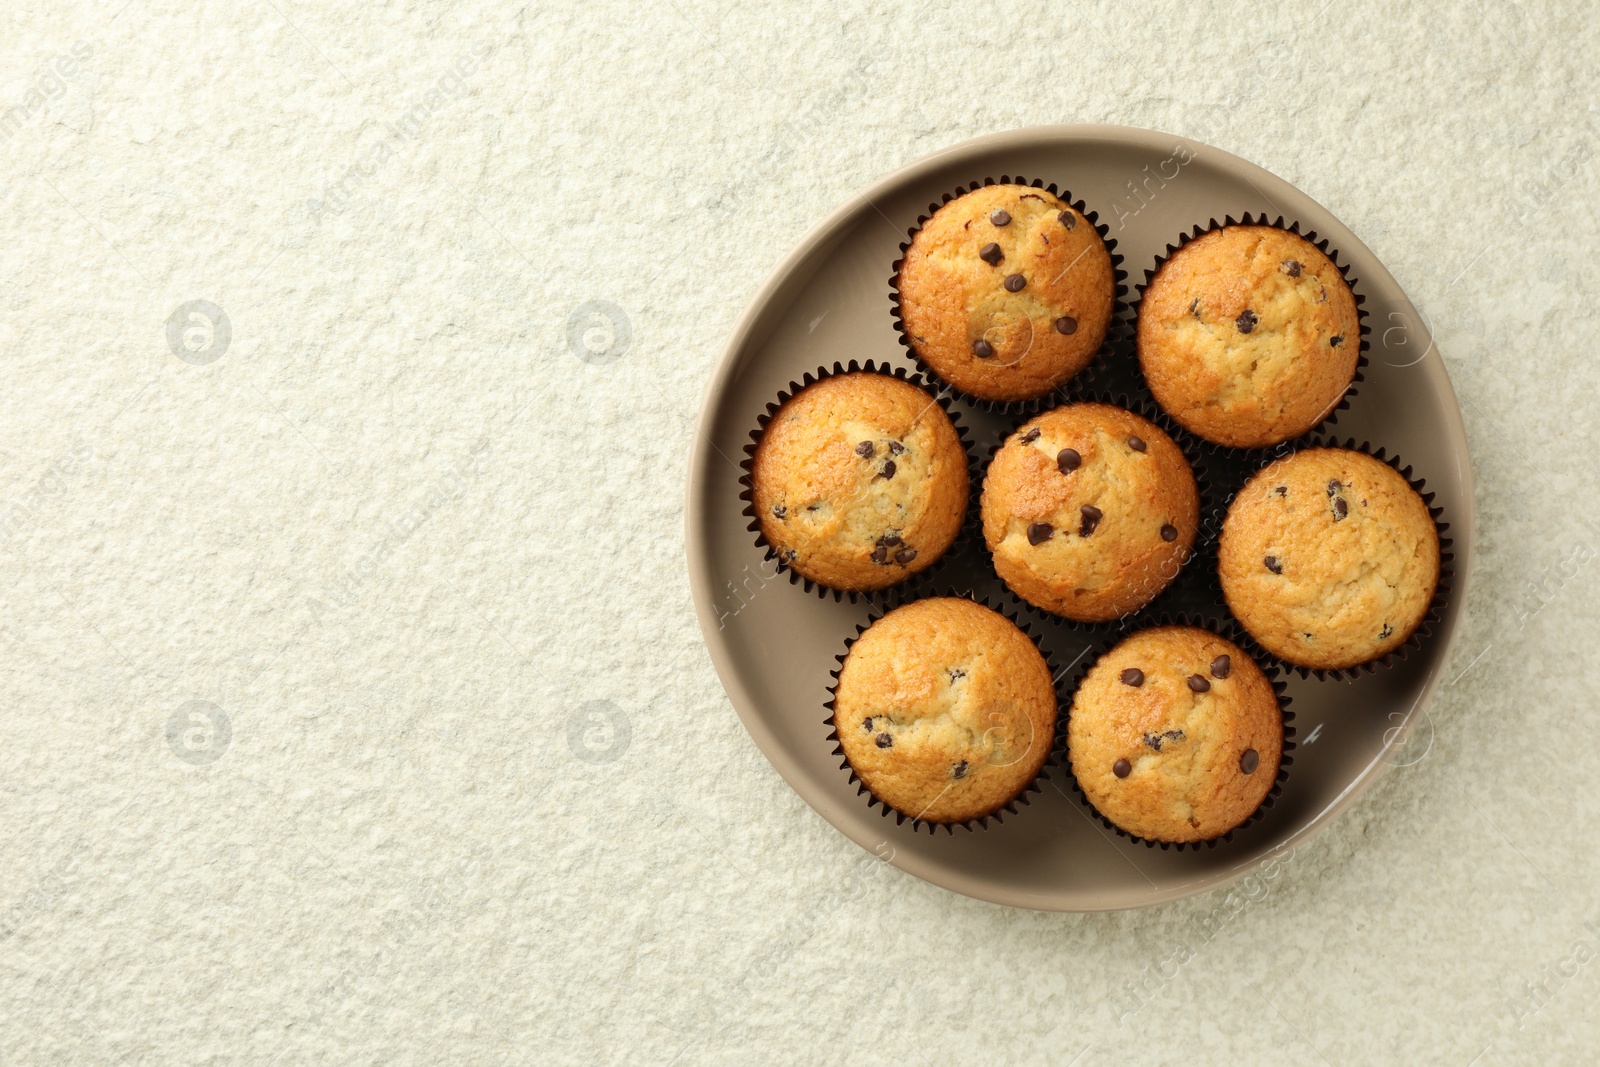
(991, 254)
(959, 770)
(1291, 267)
(1136, 443)
(1031, 436)
(1132, 676)
(1387, 630)
(1091, 518)
(1153, 741)
(888, 469)
(779, 511)
(1274, 564)
(890, 539)
(1066, 324)
(1040, 532)
(884, 740)
(1249, 760)
(866, 724)
(865, 449)
(1221, 666)
(1341, 508)
(880, 555)
(956, 673)
(1000, 217)
(1282, 490)
(1122, 768)
(895, 448)
(1194, 307)
(1198, 683)
(1169, 532)
(1246, 321)
(905, 555)
(1069, 220)
(1068, 460)
(982, 349)
(1335, 341)
(1015, 282)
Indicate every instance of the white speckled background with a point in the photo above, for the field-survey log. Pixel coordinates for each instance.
(461, 786)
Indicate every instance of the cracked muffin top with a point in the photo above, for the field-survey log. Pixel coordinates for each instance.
(859, 481)
(1089, 511)
(1329, 558)
(1175, 735)
(1248, 336)
(1006, 292)
(945, 710)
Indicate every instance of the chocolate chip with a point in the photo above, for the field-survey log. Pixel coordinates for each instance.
(890, 539)
(884, 740)
(982, 349)
(1066, 324)
(1169, 532)
(1246, 321)
(1221, 666)
(1290, 267)
(789, 555)
(1387, 630)
(779, 511)
(888, 469)
(866, 724)
(1069, 220)
(1015, 282)
(1334, 487)
(959, 770)
(865, 450)
(1132, 676)
(880, 555)
(1155, 741)
(1194, 307)
(1122, 768)
(1273, 564)
(1068, 460)
(1282, 490)
(1091, 518)
(1198, 683)
(895, 448)
(1040, 532)
(1136, 443)
(1001, 217)
(956, 673)
(905, 555)
(991, 254)
(1341, 508)
(1031, 436)
(1335, 341)
(1249, 760)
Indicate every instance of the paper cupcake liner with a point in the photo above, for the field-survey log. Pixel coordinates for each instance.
(919, 580)
(1230, 630)
(1012, 806)
(1118, 306)
(1247, 219)
(1208, 523)
(1441, 591)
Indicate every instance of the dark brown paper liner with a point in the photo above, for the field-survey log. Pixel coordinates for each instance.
(1321, 243)
(1208, 523)
(747, 494)
(1229, 630)
(1052, 757)
(1119, 305)
(1441, 591)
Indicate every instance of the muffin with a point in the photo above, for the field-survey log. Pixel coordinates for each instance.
(1329, 558)
(1248, 336)
(859, 481)
(1175, 735)
(1089, 511)
(1006, 292)
(945, 710)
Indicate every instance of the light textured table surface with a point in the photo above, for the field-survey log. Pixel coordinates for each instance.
(355, 710)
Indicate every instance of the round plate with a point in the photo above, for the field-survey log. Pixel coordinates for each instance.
(774, 644)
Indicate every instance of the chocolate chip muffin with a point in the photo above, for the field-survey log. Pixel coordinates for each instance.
(1006, 292)
(1175, 735)
(945, 710)
(859, 481)
(1248, 336)
(1089, 511)
(1329, 558)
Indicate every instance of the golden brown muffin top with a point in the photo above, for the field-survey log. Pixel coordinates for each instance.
(945, 710)
(1175, 735)
(1006, 292)
(1248, 335)
(1329, 558)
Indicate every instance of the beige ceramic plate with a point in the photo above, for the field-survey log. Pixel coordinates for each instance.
(774, 644)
